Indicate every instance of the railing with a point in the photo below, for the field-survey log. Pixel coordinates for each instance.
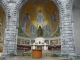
(2, 58)
(77, 57)
(49, 41)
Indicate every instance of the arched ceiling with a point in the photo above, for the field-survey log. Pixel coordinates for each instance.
(32, 7)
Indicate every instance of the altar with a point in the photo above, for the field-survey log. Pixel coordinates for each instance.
(39, 44)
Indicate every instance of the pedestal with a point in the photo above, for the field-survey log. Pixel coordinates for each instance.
(37, 53)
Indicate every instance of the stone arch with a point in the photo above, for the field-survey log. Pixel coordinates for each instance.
(4, 5)
(21, 3)
(58, 3)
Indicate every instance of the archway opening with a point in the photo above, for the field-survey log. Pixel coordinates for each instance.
(2, 27)
(34, 14)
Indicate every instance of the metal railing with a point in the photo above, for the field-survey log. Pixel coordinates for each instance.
(2, 58)
(77, 57)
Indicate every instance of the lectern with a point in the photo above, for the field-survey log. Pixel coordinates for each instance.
(36, 53)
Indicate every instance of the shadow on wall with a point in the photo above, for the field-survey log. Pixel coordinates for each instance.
(76, 17)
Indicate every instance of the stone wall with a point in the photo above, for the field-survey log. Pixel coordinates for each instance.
(76, 17)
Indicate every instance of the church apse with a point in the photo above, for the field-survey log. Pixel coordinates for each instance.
(38, 19)
(37, 13)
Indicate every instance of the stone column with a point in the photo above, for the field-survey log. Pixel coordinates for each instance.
(11, 29)
(67, 35)
(66, 26)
